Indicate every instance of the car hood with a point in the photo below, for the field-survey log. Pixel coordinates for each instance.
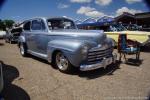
(84, 35)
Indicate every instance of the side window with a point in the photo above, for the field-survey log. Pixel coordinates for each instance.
(26, 26)
(38, 25)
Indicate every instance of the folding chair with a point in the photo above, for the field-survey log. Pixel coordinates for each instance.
(126, 46)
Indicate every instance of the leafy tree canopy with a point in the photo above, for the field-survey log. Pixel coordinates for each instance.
(6, 24)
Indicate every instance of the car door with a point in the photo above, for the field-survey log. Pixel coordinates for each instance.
(28, 35)
(40, 36)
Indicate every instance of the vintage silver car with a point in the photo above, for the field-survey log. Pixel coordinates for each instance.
(60, 42)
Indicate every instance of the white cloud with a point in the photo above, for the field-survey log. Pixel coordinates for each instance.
(84, 10)
(133, 1)
(62, 6)
(103, 2)
(125, 9)
(90, 12)
(81, 1)
(95, 14)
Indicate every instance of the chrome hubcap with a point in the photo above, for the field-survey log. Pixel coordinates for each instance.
(61, 61)
(22, 49)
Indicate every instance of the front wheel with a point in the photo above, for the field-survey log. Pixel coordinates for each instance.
(23, 49)
(62, 63)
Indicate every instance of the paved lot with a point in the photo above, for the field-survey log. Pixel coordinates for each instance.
(34, 79)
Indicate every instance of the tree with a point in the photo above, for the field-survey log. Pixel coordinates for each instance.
(6, 24)
(2, 26)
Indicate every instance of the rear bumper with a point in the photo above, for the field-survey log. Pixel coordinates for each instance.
(104, 63)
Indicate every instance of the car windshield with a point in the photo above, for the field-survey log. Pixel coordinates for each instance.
(117, 27)
(55, 24)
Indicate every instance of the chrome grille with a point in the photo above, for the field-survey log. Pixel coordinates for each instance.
(97, 55)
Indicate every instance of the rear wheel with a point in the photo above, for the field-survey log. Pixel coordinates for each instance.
(62, 62)
(23, 49)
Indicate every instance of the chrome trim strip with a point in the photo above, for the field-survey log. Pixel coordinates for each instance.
(44, 56)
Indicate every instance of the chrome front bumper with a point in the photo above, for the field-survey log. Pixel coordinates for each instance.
(104, 63)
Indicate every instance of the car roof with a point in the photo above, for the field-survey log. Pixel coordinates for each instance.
(45, 18)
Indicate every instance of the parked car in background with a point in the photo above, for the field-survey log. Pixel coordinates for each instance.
(13, 34)
(2, 34)
(60, 42)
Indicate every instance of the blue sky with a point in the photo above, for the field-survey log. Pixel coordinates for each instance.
(19, 10)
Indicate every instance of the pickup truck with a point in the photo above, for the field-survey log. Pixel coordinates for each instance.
(58, 41)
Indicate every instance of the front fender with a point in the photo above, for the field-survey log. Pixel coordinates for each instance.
(68, 45)
(70, 48)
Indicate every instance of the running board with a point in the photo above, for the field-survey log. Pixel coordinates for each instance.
(40, 55)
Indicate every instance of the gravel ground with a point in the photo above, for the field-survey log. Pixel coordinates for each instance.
(31, 78)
